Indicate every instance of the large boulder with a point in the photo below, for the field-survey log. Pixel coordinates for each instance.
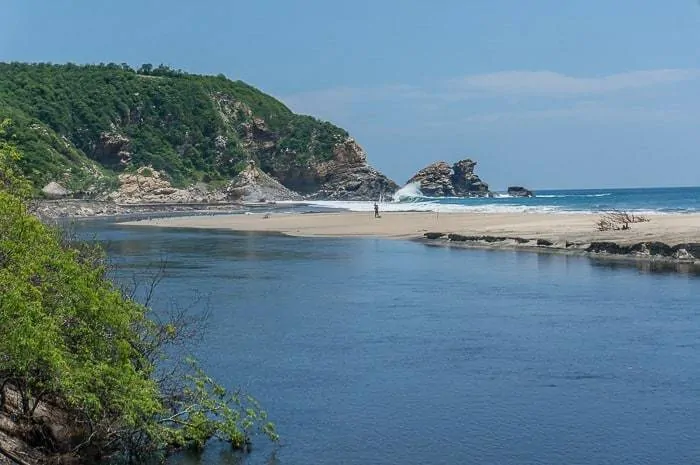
(54, 190)
(442, 180)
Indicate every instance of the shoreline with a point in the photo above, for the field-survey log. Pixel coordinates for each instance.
(672, 238)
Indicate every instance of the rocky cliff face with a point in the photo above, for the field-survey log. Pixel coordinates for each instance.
(253, 185)
(112, 149)
(348, 176)
(442, 180)
(147, 185)
(341, 174)
(190, 128)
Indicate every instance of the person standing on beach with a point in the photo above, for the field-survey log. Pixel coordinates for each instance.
(376, 210)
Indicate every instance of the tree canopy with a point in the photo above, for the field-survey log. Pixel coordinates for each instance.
(73, 341)
(191, 127)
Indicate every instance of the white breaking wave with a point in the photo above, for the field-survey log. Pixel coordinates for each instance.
(561, 196)
(409, 192)
(437, 207)
(426, 206)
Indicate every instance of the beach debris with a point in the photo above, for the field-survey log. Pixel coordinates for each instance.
(618, 220)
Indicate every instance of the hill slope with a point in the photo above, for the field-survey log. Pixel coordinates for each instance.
(81, 125)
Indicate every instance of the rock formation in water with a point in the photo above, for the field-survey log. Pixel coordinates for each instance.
(519, 191)
(442, 180)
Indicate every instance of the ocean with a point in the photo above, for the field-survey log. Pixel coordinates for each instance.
(640, 200)
(392, 352)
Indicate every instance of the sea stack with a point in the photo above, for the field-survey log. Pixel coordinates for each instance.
(439, 179)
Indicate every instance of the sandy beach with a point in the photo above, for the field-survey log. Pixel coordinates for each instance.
(557, 228)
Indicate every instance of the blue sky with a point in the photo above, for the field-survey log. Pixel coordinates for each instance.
(545, 93)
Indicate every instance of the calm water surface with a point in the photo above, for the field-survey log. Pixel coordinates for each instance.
(389, 352)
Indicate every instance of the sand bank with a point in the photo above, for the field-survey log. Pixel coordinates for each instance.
(556, 228)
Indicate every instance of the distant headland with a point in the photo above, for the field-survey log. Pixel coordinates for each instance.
(155, 135)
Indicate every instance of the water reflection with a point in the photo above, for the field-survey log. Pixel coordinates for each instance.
(220, 455)
(350, 342)
(647, 267)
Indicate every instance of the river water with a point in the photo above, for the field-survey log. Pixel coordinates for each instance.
(371, 351)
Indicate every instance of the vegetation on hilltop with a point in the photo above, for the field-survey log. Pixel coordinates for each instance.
(192, 127)
(81, 362)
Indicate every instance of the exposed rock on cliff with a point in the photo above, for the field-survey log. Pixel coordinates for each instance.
(54, 190)
(112, 149)
(253, 185)
(442, 180)
(341, 173)
(348, 176)
(48, 438)
(188, 127)
(518, 191)
(150, 186)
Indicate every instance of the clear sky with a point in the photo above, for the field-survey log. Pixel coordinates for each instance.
(544, 93)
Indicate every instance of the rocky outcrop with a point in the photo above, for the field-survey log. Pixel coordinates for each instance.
(519, 191)
(465, 182)
(147, 185)
(345, 175)
(54, 190)
(112, 149)
(49, 437)
(442, 180)
(253, 185)
(339, 171)
(348, 176)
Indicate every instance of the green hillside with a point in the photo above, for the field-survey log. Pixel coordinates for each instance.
(80, 125)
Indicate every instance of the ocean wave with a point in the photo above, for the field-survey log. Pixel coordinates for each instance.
(563, 196)
(434, 205)
(430, 206)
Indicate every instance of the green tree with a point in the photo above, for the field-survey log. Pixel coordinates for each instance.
(71, 341)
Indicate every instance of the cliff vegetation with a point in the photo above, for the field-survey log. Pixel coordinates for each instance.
(82, 125)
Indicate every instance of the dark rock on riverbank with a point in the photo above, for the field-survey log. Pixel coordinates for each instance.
(649, 250)
(488, 239)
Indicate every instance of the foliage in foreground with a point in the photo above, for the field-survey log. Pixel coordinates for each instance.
(71, 341)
